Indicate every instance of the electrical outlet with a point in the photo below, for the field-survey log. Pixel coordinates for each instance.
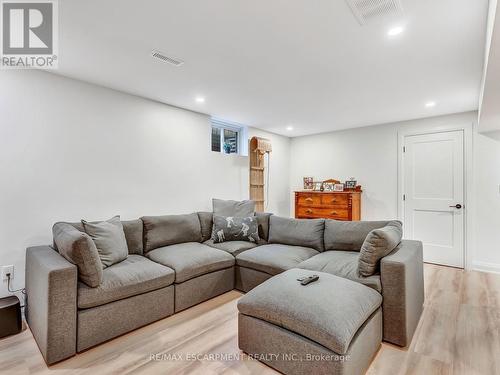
(6, 270)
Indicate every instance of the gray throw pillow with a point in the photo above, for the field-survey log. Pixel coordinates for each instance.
(78, 248)
(378, 243)
(233, 208)
(109, 239)
(235, 229)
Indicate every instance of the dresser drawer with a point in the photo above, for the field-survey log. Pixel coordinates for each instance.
(335, 200)
(309, 200)
(324, 212)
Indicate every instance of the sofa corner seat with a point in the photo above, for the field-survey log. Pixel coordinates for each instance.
(256, 265)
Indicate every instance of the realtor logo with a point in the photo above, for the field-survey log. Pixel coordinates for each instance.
(29, 34)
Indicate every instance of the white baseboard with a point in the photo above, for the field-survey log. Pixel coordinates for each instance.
(486, 267)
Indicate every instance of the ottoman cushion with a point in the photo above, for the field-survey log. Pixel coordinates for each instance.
(329, 311)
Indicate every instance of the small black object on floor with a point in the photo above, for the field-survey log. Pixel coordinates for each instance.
(10, 316)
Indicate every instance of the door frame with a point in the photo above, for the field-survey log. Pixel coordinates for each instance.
(468, 181)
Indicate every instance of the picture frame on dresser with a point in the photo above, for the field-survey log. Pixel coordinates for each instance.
(338, 187)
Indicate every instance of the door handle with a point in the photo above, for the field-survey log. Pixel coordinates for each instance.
(458, 206)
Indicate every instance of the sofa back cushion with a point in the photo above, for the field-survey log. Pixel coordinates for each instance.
(263, 221)
(297, 232)
(133, 234)
(109, 239)
(78, 248)
(206, 223)
(233, 208)
(167, 230)
(378, 243)
(348, 235)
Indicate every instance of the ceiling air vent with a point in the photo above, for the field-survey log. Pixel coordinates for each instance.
(367, 10)
(166, 59)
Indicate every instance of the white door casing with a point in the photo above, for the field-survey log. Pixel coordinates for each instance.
(433, 184)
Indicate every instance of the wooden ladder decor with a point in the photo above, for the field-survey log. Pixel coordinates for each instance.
(258, 148)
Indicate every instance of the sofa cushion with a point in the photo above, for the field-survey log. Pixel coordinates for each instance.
(297, 232)
(167, 230)
(233, 208)
(329, 311)
(274, 258)
(78, 248)
(109, 239)
(343, 264)
(348, 235)
(133, 234)
(263, 220)
(135, 275)
(235, 229)
(191, 259)
(232, 247)
(206, 224)
(379, 243)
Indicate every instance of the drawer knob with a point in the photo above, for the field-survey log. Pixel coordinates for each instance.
(334, 212)
(309, 199)
(309, 211)
(334, 200)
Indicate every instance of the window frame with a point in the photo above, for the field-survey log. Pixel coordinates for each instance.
(222, 125)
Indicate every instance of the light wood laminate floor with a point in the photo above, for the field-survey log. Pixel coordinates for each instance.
(459, 333)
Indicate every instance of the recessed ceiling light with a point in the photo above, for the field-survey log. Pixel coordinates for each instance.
(395, 31)
(430, 104)
(200, 99)
(289, 128)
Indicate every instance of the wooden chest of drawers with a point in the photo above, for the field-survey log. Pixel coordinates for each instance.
(344, 205)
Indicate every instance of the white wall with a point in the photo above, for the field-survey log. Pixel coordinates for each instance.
(371, 155)
(71, 150)
(487, 203)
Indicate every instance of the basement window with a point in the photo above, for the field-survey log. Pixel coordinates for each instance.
(227, 137)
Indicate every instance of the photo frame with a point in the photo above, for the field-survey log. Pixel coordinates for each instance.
(338, 187)
(308, 183)
(351, 184)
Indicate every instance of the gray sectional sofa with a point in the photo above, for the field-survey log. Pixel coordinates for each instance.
(173, 264)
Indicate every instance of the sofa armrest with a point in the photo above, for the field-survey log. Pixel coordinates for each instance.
(51, 289)
(403, 291)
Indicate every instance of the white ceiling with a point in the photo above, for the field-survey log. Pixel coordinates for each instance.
(275, 63)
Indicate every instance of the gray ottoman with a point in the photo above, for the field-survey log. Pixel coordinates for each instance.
(331, 326)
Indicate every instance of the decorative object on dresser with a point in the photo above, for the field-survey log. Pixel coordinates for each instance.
(318, 186)
(329, 185)
(308, 183)
(342, 205)
(350, 184)
(338, 187)
(259, 147)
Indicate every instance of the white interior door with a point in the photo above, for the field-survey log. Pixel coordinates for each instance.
(433, 187)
